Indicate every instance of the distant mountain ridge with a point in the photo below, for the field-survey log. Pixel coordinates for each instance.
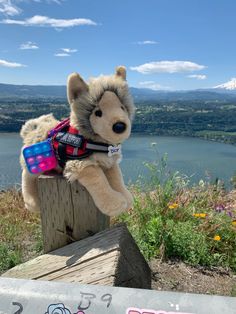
(8, 91)
(32, 91)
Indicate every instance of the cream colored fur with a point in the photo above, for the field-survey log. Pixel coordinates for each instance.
(99, 174)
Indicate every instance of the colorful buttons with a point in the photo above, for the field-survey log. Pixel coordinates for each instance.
(34, 169)
(28, 152)
(39, 157)
(31, 160)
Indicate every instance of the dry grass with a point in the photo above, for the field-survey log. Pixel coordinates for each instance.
(20, 233)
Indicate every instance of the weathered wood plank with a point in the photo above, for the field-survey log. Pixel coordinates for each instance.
(110, 256)
(68, 212)
(99, 268)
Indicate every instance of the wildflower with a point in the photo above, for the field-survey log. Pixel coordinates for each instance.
(217, 237)
(219, 208)
(201, 183)
(200, 215)
(173, 205)
(234, 223)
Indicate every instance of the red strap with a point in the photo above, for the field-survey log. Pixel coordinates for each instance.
(73, 130)
(59, 127)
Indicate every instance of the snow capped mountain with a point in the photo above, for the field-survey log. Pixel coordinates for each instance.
(231, 85)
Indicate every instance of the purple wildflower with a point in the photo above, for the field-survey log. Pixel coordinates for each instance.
(219, 208)
(230, 214)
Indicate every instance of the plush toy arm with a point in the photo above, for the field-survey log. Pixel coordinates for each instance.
(30, 191)
(115, 178)
(107, 200)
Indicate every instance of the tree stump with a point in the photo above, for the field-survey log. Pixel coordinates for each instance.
(68, 212)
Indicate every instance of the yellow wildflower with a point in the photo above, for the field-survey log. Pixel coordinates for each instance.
(217, 237)
(234, 223)
(201, 215)
(173, 205)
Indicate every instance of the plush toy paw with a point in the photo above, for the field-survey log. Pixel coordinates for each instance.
(129, 198)
(32, 206)
(112, 204)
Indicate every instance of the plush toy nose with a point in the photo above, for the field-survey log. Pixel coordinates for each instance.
(119, 127)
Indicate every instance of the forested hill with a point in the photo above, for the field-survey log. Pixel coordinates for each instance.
(209, 114)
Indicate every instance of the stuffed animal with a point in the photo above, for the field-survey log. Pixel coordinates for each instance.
(87, 145)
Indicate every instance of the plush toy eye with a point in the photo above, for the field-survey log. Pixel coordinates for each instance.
(98, 113)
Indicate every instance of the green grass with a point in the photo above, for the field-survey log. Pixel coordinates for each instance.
(196, 225)
(169, 220)
(20, 231)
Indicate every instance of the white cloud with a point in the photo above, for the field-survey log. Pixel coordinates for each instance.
(8, 64)
(8, 8)
(28, 45)
(66, 52)
(69, 50)
(147, 42)
(55, 1)
(198, 76)
(146, 83)
(62, 54)
(167, 67)
(153, 85)
(45, 21)
(47, 1)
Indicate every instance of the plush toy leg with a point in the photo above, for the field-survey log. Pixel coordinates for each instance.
(110, 202)
(115, 178)
(30, 191)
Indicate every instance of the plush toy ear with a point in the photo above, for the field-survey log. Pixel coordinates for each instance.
(75, 86)
(121, 72)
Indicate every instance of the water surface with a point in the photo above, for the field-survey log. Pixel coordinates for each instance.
(194, 157)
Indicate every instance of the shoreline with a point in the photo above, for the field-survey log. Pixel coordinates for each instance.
(154, 134)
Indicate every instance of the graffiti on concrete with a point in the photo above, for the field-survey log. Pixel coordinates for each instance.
(143, 311)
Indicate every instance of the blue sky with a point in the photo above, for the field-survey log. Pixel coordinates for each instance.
(165, 44)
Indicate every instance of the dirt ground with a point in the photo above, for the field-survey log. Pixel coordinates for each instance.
(177, 276)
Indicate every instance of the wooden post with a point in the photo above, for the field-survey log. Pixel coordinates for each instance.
(68, 212)
(110, 257)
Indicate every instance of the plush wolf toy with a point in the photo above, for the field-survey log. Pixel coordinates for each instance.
(101, 115)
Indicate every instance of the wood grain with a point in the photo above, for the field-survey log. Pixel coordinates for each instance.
(68, 212)
(110, 257)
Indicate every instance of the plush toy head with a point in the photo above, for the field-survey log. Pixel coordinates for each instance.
(101, 110)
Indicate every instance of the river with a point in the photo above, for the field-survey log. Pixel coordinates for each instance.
(196, 158)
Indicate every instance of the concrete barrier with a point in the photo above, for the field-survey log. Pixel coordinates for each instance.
(43, 297)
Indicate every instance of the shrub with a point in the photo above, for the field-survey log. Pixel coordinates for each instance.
(173, 220)
(8, 257)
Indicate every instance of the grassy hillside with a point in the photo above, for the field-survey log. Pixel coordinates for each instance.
(169, 221)
(20, 231)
